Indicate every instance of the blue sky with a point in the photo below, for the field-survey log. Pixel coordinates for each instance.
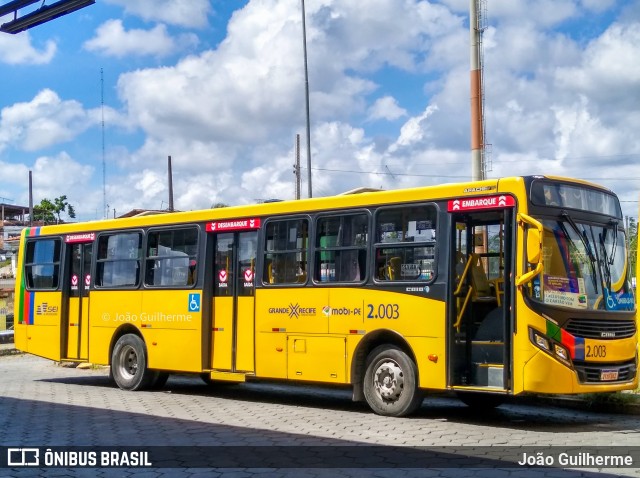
(219, 86)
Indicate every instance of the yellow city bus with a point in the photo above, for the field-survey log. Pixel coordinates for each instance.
(488, 289)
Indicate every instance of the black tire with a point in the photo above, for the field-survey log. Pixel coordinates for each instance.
(481, 401)
(391, 382)
(129, 364)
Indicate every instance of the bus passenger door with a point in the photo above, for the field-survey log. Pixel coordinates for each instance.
(233, 325)
(480, 311)
(75, 322)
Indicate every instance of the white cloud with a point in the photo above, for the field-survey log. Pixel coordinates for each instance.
(18, 50)
(58, 175)
(228, 117)
(386, 108)
(184, 13)
(113, 40)
(415, 129)
(42, 122)
(609, 71)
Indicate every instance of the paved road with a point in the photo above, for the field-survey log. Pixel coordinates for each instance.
(46, 405)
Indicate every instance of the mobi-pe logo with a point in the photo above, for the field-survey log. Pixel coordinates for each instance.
(481, 202)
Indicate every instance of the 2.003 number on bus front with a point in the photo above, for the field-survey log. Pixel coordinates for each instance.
(596, 351)
(383, 311)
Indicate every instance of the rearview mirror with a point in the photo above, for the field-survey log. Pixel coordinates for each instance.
(534, 246)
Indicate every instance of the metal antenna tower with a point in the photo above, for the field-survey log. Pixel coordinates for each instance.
(477, 25)
(104, 163)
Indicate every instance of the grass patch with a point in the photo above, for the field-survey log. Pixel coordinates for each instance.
(611, 401)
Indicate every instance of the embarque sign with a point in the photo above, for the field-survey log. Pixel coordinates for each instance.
(481, 202)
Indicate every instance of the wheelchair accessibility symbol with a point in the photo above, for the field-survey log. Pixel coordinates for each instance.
(194, 302)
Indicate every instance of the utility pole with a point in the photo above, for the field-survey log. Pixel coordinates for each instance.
(296, 167)
(170, 173)
(306, 89)
(30, 199)
(477, 118)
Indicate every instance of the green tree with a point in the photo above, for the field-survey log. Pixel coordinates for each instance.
(49, 211)
(45, 212)
(219, 205)
(61, 204)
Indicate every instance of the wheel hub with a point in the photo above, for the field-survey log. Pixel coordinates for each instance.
(389, 381)
(129, 362)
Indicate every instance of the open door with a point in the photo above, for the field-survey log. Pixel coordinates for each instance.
(480, 323)
(77, 282)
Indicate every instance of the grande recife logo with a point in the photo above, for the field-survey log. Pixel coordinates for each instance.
(231, 225)
(481, 202)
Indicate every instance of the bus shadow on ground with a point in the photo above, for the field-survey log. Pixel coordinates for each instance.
(513, 415)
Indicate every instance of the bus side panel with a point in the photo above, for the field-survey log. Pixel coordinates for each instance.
(284, 311)
(172, 330)
(271, 354)
(418, 320)
(42, 318)
(316, 358)
(431, 373)
(110, 309)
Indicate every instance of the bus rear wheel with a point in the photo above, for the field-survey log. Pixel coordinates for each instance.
(129, 364)
(390, 382)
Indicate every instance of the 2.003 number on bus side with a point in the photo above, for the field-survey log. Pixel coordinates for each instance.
(383, 311)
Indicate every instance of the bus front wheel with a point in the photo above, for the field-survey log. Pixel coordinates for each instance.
(129, 364)
(390, 382)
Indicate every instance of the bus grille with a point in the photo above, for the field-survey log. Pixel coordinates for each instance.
(601, 329)
(591, 373)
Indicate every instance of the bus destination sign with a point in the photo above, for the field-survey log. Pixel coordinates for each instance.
(231, 225)
(83, 237)
(481, 202)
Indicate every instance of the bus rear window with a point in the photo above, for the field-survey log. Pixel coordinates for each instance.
(42, 264)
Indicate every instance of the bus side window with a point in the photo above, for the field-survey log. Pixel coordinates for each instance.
(171, 257)
(406, 245)
(285, 260)
(341, 248)
(118, 262)
(42, 264)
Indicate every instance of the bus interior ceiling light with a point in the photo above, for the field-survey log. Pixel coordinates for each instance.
(42, 15)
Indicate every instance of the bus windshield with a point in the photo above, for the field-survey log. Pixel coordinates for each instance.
(585, 266)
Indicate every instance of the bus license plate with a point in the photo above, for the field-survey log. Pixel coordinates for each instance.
(608, 375)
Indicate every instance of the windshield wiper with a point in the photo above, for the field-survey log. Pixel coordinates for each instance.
(608, 260)
(614, 246)
(586, 244)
